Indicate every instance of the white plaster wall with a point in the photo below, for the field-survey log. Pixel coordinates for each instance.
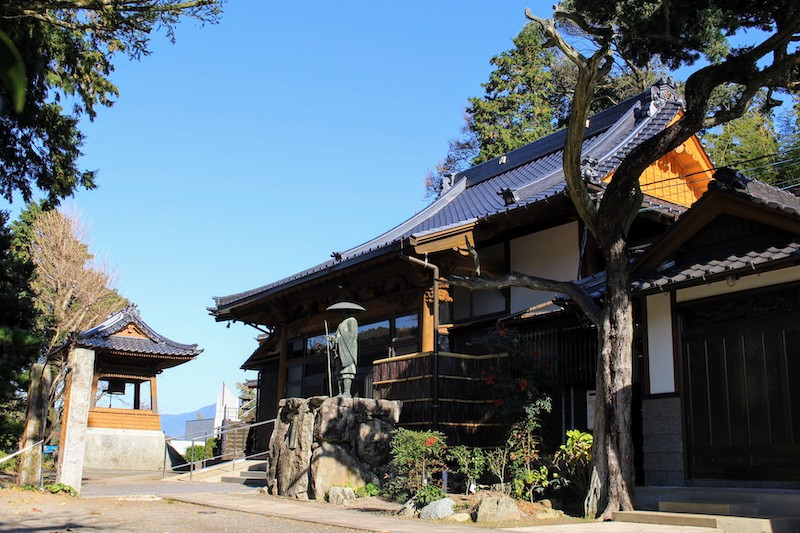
(660, 349)
(754, 281)
(553, 253)
(124, 449)
(661, 362)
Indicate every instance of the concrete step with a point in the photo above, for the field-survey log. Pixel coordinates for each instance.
(260, 466)
(694, 507)
(251, 479)
(771, 502)
(253, 474)
(726, 524)
(665, 519)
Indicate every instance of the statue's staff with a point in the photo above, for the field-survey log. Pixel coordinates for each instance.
(328, 353)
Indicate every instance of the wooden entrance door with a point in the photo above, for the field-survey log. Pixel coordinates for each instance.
(741, 379)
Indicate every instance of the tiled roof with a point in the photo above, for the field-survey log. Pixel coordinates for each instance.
(530, 174)
(757, 192)
(103, 337)
(744, 259)
(714, 268)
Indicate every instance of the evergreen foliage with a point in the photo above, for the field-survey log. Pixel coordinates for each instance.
(19, 343)
(516, 108)
(68, 52)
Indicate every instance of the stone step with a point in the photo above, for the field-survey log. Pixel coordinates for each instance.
(695, 507)
(726, 524)
(247, 474)
(244, 481)
(261, 466)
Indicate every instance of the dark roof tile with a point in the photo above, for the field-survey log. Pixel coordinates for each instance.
(103, 337)
(533, 172)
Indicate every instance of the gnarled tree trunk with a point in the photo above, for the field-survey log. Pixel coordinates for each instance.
(612, 480)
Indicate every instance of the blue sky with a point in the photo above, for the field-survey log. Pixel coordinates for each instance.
(252, 149)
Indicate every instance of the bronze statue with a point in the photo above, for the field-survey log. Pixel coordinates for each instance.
(345, 346)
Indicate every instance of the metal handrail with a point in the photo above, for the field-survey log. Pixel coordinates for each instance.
(40, 444)
(23, 450)
(218, 432)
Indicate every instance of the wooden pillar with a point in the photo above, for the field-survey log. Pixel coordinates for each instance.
(282, 366)
(426, 327)
(95, 384)
(153, 396)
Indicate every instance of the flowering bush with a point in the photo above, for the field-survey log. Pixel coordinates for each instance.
(416, 457)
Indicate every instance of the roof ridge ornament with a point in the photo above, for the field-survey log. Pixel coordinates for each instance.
(661, 92)
(589, 170)
(728, 178)
(509, 196)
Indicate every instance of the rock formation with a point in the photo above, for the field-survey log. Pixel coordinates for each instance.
(321, 442)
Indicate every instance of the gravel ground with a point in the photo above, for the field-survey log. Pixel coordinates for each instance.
(33, 511)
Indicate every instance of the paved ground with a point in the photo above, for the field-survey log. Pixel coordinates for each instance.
(141, 501)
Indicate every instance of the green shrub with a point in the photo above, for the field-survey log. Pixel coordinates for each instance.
(12, 465)
(370, 489)
(497, 463)
(427, 494)
(574, 460)
(416, 457)
(195, 453)
(524, 446)
(471, 463)
(56, 488)
(198, 452)
(528, 483)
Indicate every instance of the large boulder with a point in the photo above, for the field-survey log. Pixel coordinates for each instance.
(291, 445)
(333, 465)
(336, 421)
(497, 509)
(373, 441)
(438, 509)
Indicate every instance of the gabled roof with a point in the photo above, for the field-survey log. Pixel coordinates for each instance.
(126, 333)
(730, 193)
(519, 179)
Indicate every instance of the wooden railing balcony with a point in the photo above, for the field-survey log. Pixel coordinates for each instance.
(465, 401)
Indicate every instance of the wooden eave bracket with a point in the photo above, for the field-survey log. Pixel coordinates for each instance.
(446, 239)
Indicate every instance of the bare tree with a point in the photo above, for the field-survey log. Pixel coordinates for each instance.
(72, 291)
(72, 287)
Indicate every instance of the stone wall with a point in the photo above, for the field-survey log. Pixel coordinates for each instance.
(662, 429)
(322, 442)
(124, 449)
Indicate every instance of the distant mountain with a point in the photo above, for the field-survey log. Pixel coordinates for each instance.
(173, 425)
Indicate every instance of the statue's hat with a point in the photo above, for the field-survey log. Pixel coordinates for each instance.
(345, 306)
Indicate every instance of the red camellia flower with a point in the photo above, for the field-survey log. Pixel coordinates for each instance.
(497, 402)
(523, 384)
(502, 332)
(490, 379)
(430, 441)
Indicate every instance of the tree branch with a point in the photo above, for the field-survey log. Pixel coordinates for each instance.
(589, 71)
(517, 279)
